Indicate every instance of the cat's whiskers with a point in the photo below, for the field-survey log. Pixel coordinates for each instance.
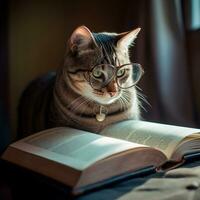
(120, 103)
(124, 104)
(75, 103)
(80, 111)
(123, 101)
(127, 101)
(86, 102)
(127, 97)
(76, 107)
(80, 105)
(142, 97)
(95, 128)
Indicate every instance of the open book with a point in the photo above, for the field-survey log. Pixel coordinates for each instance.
(80, 159)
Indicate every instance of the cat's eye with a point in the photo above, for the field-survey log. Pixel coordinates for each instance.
(126, 76)
(121, 72)
(97, 73)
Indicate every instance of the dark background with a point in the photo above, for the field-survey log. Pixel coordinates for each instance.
(33, 36)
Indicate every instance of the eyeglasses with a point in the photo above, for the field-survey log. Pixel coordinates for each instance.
(126, 76)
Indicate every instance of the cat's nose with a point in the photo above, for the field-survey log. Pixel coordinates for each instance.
(112, 89)
(112, 93)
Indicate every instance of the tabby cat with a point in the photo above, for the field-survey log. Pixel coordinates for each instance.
(93, 88)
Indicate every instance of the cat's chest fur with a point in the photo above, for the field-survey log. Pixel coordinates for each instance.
(72, 109)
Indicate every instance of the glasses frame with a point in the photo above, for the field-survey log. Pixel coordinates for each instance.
(116, 69)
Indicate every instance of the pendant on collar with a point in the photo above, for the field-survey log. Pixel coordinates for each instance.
(102, 114)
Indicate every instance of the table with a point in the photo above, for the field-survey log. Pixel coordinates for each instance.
(178, 184)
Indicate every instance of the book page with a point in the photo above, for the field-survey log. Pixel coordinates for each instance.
(160, 136)
(75, 148)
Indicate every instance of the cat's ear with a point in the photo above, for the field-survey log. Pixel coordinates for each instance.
(81, 39)
(126, 39)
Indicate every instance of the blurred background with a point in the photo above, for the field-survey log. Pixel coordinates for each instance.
(33, 36)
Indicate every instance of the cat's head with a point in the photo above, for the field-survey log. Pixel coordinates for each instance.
(93, 64)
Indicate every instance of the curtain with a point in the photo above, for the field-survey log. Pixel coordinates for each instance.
(4, 129)
(163, 49)
(4, 120)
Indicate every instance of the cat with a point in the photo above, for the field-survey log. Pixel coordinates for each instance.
(89, 91)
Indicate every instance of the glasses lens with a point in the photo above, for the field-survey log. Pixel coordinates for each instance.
(101, 75)
(130, 75)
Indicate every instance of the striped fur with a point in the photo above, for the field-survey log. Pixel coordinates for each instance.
(67, 98)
